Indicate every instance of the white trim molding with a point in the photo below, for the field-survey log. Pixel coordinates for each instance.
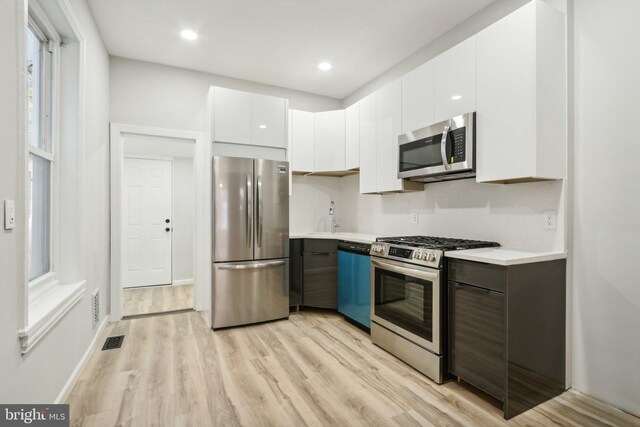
(181, 282)
(73, 378)
(50, 307)
(202, 167)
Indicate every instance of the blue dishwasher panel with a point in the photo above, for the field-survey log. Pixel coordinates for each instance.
(354, 287)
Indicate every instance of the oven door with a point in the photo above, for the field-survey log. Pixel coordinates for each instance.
(406, 300)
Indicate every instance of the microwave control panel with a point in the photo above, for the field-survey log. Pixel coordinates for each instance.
(458, 145)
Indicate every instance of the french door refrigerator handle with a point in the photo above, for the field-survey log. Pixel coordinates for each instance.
(249, 208)
(250, 266)
(259, 211)
(443, 146)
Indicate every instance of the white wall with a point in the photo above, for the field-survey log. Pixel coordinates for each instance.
(31, 378)
(607, 201)
(183, 202)
(149, 94)
(509, 214)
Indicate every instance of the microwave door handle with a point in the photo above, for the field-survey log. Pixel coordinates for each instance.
(443, 146)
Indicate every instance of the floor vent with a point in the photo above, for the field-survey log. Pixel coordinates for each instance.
(113, 342)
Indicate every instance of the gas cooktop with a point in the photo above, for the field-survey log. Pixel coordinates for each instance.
(422, 250)
(437, 243)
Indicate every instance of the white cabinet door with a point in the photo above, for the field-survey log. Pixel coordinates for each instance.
(352, 152)
(268, 121)
(232, 116)
(368, 146)
(330, 141)
(455, 81)
(504, 128)
(388, 128)
(302, 141)
(418, 98)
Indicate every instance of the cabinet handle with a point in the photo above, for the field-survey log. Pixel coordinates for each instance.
(443, 146)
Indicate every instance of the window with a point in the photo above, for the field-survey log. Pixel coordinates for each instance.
(52, 167)
(40, 151)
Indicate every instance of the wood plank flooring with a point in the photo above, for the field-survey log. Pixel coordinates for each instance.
(315, 369)
(156, 299)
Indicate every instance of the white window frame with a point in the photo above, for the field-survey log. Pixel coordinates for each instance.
(46, 300)
(50, 97)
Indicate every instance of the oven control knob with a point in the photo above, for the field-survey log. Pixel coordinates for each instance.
(431, 258)
(416, 255)
(423, 256)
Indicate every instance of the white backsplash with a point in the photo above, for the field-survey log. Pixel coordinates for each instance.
(511, 214)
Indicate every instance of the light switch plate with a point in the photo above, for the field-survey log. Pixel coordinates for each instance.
(9, 215)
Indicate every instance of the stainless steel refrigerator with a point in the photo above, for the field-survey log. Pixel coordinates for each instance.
(250, 241)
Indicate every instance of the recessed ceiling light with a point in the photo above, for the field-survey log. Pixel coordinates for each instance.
(324, 66)
(456, 97)
(188, 35)
(262, 126)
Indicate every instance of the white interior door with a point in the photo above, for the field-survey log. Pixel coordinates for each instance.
(147, 234)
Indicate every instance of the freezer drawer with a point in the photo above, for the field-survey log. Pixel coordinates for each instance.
(250, 292)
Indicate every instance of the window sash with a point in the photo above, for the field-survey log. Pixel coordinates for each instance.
(44, 155)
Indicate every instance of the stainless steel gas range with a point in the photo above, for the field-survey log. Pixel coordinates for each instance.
(408, 298)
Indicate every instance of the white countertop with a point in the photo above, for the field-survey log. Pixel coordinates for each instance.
(504, 256)
(351, 237)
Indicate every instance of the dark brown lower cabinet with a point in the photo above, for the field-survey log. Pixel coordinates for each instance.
(507, 330)
(477, 337)
(295, 272)
(320, 273)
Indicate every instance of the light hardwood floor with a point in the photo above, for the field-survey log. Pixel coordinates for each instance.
(156, 299)
(315, 369)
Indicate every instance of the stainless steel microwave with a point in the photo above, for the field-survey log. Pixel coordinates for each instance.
(440, 152)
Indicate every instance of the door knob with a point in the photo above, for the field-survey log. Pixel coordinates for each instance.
(167, 220)
(167, 229)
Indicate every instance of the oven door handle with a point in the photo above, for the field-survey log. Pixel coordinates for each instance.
(420, 274)
(443, 146)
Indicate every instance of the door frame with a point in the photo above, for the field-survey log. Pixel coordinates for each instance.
(202, 227)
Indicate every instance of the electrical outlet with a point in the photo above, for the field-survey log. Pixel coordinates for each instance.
(550, 220)
(414, 217)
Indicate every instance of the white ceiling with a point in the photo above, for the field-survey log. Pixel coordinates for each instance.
(280, 42)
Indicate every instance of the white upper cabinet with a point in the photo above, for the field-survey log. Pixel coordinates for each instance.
(302, 141)
(330, 141)
(246, 118)
(232, 116)
(521, 111)
(368, 146)
(388, 128)
(455, 81)
(418, 98)
(268, 121)
(352, 149)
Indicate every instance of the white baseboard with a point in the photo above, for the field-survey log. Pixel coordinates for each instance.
(71, 382)
(183, 282)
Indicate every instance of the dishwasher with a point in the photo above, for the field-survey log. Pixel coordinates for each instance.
(354, 282)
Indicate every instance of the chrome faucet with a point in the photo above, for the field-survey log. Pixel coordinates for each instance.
(332, 214)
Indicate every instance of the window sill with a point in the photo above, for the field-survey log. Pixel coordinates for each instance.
(45, 311)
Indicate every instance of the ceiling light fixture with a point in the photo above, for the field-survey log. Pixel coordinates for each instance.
(456, 97)
(262, 126)
(324, 66)
(188, 35)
